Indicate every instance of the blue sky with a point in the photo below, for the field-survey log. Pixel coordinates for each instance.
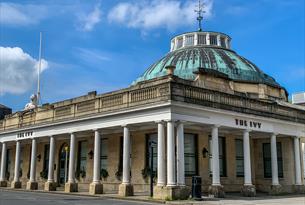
(104, 45)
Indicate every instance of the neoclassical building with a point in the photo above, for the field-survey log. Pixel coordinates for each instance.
(206, 110)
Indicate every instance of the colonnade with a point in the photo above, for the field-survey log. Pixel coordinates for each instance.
(171, 171)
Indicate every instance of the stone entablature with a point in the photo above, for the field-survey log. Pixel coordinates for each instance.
(164, 89)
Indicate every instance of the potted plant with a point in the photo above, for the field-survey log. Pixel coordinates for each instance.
(44, 174)
(104, 174)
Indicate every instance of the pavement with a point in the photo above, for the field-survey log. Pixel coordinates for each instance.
(22, 197)
(10, 197)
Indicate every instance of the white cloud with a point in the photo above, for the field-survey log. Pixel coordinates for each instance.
(168, 14)
(21, 15)
(88, 21)
(18, 70)
(91, 56)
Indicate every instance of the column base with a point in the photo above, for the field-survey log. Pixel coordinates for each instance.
(96, 188)
(50, 186)
(3, 183)
(299, 189)
(216, 191)
(248, 190)
(16, 185)
(31, 185)
(276, 190)
(126, 190)
(171, 192)
(71, 187)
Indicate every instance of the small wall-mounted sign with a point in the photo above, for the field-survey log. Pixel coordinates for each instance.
(24, 135)
(248, 123)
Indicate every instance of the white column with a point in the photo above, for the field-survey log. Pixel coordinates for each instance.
(171, 179)
(227, 42)
(51, 160)
(208, 41)
(218, 40)
(215, 156)
(126, 156)
(274, 165)
(161, 155)
(71, 177)
(196, 39)
(247, 158)
(33, 161)
(297, 161)
(180, 155)
(3, 162)
(17, 162)
(97, 156)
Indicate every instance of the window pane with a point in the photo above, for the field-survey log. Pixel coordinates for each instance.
(180, 42)
(152, 138)
(202, 39)
(190, 156)
(267, 160)
(213, 40)
(239, 157)
(46, 157)
(104, 152)
(189, 40)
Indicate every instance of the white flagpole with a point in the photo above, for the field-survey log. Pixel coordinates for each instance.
(39, 70)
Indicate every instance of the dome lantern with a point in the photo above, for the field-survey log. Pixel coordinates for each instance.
(201, 38)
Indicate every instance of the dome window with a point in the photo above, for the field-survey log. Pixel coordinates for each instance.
(202, 40)
(189, 40)
(213, 40)
(179, 42)
(223, 42)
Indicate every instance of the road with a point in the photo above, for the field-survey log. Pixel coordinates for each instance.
(30, 198)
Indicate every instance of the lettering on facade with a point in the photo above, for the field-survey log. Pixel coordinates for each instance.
(23, 135)
(246, 123)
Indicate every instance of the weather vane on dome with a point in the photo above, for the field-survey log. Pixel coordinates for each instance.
(199, 11)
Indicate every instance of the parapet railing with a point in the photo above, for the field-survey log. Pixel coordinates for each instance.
(151, 92)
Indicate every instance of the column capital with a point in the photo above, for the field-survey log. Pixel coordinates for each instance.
(97, 130)
(216, 126)
(125, 125)
(181, 122)
(159, 121)
(247, 130)
(274, 134)
(296, 137)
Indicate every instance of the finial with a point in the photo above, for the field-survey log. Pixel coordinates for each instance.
(199, 11)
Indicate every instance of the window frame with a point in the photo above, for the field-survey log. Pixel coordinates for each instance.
(239, 158)
(79, 157)
(266, 160)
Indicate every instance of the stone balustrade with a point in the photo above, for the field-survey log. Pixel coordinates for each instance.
(155, 91)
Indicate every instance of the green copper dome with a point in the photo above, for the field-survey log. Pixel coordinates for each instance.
(188, 59)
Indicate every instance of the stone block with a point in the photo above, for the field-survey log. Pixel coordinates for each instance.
(216, 191)
(71, 187)
(125, 190)
(3, 183)
(16, 185)
(248, 190)
(299, 189)
(31, 185)
(95, 188)
(171, 192)
(276, 190)
(50, 186)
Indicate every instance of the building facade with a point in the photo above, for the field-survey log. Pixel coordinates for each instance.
(205, 110)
